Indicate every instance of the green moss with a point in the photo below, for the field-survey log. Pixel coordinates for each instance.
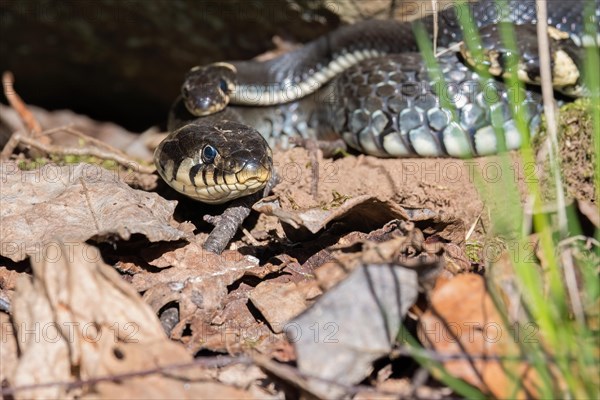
(473, 251)
(577, 157)
(338, 200)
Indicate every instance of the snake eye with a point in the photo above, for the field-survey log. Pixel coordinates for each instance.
(223, 85)
(208, 154)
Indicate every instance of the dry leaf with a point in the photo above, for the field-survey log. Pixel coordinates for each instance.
(213, 315)
(74, 203)
(464, 320)
(76, 319)
(364, 212)
(368, 207)
(279, 302)
(352, 325)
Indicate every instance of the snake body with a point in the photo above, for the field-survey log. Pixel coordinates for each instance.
(368, 84)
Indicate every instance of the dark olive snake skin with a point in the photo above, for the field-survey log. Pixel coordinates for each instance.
(368, 84)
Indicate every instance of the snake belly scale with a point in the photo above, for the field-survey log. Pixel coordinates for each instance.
(366, 83)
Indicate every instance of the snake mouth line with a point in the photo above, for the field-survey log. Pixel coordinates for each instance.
(218, 194)
(206, 110)
(248, 180)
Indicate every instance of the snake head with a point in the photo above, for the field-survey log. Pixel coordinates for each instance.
(215, 163)
(566, 56)
(206, 89)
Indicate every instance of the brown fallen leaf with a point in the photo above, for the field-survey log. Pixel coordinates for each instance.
(76, 319)
(200, 271)
(280, 302)
(464, 320)
(212, 314)
(75, 203)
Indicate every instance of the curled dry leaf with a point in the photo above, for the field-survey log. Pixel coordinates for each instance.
(201, 271)
(75, 203)
(363, 212)
(76, 320)
(314, 219)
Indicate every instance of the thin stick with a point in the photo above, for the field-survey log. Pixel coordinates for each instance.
(453, 48)
(473, 226)
(434, 6)
(548, 98)
(18, 104)
(70, 129)
(251, 238)
(18, 138)
(571, 283)
(213, 362)
(228, 223)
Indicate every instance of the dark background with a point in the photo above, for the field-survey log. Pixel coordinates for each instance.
(124, 61)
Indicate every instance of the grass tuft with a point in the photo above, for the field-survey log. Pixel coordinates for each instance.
(558, 290)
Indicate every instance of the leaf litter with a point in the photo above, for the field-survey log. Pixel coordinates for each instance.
(311, 296)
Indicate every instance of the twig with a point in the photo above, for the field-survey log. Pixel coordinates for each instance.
(250, 238)
(17, 103)
(588, 240)
(87, 138)
(313, 151)
(436, 28)
(214, 362)
(571, 282)
(317, 149)
(228, 223)
(451, 49)
(285, 372)
(473, 226)
(18, 138)
(548, 98)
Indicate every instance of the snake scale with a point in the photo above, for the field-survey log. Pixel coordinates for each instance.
(368, 84)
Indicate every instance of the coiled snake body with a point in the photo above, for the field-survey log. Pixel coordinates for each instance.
(368, 84)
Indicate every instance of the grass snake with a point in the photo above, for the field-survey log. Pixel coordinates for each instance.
(367, 83)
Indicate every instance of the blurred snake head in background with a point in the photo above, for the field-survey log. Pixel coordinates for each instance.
(206, 89)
